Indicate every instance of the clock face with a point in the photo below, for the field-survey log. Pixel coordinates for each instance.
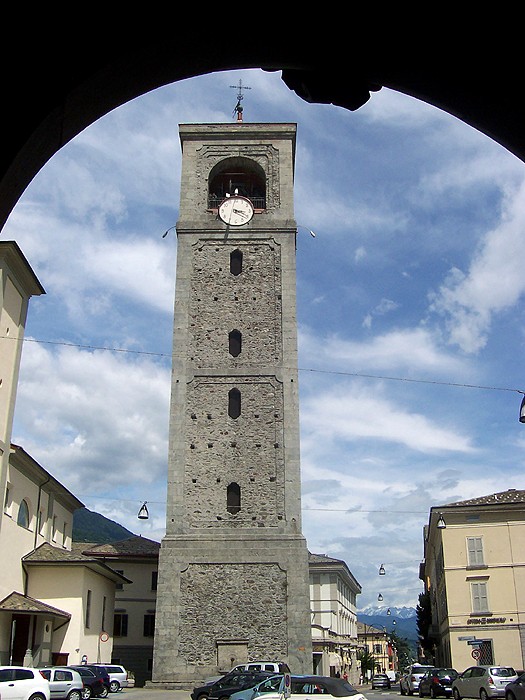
(236, 211)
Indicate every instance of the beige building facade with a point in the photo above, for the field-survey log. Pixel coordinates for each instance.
(137, 559)
(474, 573)
(55, 606)
(376, 641)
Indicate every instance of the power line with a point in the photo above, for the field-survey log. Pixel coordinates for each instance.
(300, 369)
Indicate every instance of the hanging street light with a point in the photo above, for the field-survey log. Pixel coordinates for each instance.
(143, 512)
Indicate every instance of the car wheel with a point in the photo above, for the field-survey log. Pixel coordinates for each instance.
(36, 696)
(114, 687)
(482, 694)
(203, 696)
(86, 693)
(104, 692)
(75, 695)
(456, 694)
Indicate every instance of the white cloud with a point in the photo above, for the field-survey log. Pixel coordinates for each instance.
(351, 413)
(493, 283)
(409, 350)
(87, 415)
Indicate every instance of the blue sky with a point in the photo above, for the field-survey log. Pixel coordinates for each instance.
(411, 323)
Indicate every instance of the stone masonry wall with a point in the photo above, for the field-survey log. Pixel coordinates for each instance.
(231, 600)
(222, 302)
(247, 450)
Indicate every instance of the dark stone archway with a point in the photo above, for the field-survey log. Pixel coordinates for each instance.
(59, 75)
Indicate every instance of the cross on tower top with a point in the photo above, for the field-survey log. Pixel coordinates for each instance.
(238, 107)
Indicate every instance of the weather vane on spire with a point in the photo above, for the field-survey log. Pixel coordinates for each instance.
(238, 107)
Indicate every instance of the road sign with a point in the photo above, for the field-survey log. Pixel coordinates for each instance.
(476, 653)
(287, 685)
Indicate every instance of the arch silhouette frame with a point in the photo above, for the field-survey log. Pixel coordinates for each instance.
(70, 78)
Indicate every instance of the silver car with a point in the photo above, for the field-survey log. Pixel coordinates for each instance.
(483, 682)
(409, 683)
(63, 682)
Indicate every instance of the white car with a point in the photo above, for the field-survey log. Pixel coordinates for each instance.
(303, 687)
(63, 683)
(23, 683)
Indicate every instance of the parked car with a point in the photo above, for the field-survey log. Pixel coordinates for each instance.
(228, 684)
(437, 682)
(270, 666)
(118, 676)
(93, 684)
(269, 685)
(380, 680)
(483, 682)
(23, 683)
(102, 673)
(409, 682)
(303, 687)
(515, 690)
(63, 682)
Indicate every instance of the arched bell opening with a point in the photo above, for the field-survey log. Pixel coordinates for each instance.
(237, 175)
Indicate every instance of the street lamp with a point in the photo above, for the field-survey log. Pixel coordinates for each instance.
(441, 524)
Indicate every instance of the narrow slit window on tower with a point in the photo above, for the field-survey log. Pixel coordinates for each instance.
(234, 403)
(233, 498)
(235, 343)
(236, 262)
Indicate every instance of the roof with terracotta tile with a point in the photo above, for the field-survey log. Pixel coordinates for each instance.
(502, 498)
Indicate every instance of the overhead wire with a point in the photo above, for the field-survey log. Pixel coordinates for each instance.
(361, 375)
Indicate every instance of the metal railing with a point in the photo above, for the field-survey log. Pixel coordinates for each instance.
(214, 202)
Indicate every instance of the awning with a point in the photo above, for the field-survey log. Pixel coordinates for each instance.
(335, 660)
(23, 604)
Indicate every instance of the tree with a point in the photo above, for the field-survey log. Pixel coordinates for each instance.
(403, 649)
(424, 622)
(368, 662)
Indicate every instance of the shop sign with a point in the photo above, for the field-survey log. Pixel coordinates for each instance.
(486, 620)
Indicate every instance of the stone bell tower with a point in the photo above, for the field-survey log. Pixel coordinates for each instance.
(233, 571)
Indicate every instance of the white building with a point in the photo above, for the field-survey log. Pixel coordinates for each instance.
(333, 596)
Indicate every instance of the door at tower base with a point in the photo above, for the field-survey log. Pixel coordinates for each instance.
(223, 614)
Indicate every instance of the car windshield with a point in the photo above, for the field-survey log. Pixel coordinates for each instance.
(337, 687)
(502, 671)
(447, 673)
